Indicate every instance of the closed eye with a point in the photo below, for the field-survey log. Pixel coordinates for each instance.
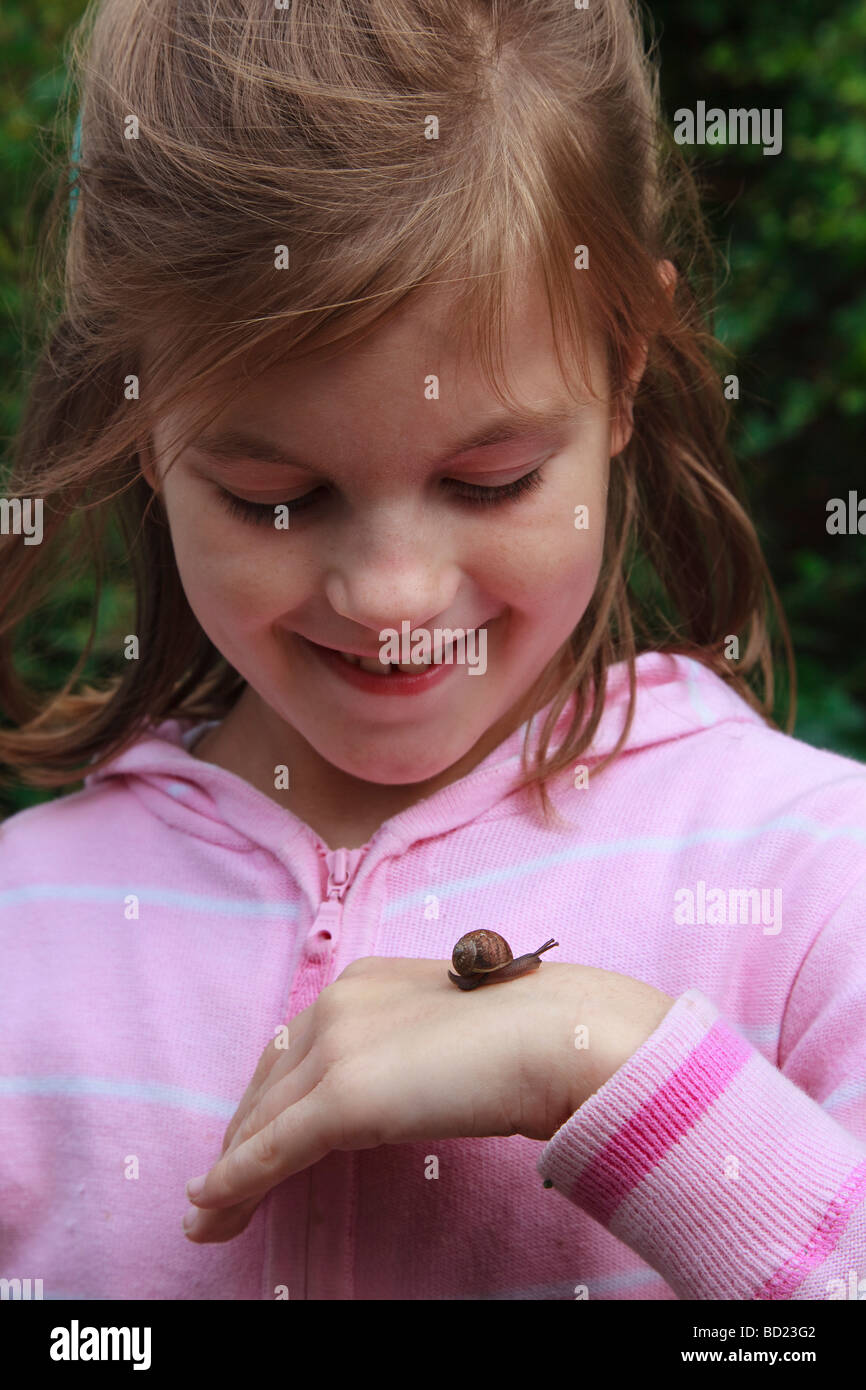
(263, 513)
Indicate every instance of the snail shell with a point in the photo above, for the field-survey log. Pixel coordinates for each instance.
(479, 952)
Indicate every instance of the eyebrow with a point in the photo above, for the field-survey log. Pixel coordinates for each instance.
(232, 444)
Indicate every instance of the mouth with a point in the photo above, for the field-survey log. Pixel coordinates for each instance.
(375, 667)
(372, 676)
(385, 668)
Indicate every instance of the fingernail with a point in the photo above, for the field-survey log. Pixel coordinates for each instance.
(190, 1217)
(194, 1187)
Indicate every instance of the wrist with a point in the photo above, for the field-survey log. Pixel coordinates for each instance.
(636, 1017)
(604, 1018)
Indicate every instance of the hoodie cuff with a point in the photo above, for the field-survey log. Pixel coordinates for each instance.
(708, 1162)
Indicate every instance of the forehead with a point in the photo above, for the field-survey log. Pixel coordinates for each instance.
(430, 330)
(412, 379)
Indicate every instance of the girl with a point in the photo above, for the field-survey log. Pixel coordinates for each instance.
(383, 322)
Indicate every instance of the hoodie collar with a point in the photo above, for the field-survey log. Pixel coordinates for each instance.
(676, 696)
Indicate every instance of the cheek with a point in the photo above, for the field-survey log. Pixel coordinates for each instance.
(544, 563)
(234, 573)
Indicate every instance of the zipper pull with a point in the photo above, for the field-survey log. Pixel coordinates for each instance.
(338, 875)
(330, 909)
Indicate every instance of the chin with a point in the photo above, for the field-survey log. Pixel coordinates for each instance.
(388, 772)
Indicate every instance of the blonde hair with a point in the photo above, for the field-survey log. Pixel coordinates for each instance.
(305, 126)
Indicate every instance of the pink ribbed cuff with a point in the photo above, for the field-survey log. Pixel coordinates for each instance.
(708, 1162)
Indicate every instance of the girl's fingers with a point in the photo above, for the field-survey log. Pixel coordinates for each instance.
(214, 1227)
(276, 1095)
(298, 1028)
(295, 1139)
(291, 1058)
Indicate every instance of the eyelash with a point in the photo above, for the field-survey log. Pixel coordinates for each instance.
(263, 512)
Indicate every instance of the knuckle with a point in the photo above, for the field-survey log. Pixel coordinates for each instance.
(332, 1006)
(358, 966)
(327, 1003)
(266, 1146)
(357, 969)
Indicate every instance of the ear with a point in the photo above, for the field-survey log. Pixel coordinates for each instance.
(623, 426)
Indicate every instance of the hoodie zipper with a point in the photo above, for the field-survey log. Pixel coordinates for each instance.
(325, 928)
(330, 909)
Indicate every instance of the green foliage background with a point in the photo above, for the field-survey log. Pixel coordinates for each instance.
(792, 309)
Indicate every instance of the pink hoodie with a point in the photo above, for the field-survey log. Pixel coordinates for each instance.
(157, 926)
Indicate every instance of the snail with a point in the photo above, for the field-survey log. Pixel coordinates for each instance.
(485, 955)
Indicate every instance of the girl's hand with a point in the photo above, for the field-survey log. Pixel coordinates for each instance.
(392, 1052)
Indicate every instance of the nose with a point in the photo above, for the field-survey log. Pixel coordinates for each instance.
(393, 570)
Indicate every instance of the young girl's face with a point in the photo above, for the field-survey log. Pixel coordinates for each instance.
(383, 530)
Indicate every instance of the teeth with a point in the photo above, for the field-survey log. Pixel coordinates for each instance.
(379, 668)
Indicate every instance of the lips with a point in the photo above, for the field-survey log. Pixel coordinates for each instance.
(379, 668)
(375, 667)
(383, 680)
